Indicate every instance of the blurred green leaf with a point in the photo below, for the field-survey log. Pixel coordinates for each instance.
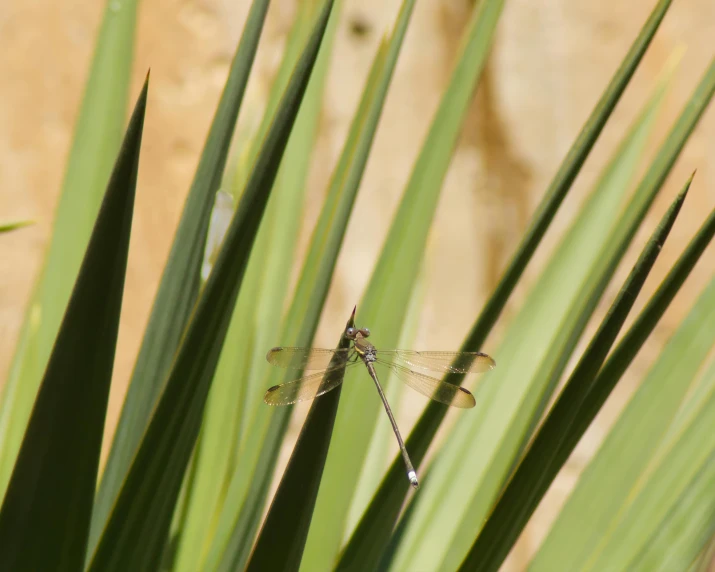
(248, 487)
(676, 469)
(707, 554)
(138, 527)
(45, 516)
(689, 526)
(8, 226)
(542, 460)
(94, 149)
(633, 441)
(480, 451)
(259, 308)
(288, 519)
(388, 292)
(179, 286)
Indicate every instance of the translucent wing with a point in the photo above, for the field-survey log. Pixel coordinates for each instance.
(442, 362)
(435, 389)
(305, 388)
(307, 358)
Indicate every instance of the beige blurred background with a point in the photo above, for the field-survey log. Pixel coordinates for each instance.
(550, 63)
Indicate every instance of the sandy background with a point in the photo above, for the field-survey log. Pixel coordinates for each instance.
(549, 65)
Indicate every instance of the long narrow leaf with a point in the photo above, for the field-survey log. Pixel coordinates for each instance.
(482, 447)
(537, 469)
(138, 527)
(688, 528)
(482, 450)
(381, 515)
(387, 295)
(644, 421)
(45, 516)
(658, 490)
(292, 508)
(94, 149)
(179, 284)
(8, 226)
(248, 487)
(257, 314)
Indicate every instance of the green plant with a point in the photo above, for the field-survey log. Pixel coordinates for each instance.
(192, 460)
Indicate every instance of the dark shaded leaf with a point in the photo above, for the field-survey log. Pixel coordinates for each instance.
(248, 488)
(138, 527)
(288, 520)
(95, 145)
(45, 516)
(179, 286)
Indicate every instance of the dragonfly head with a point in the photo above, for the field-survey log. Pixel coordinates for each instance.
(352, 333)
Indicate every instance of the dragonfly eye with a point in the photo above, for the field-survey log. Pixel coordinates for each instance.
(365, 332)
(350, 332)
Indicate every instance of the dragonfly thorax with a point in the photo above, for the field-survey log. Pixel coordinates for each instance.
(370, 354)
(365, 349)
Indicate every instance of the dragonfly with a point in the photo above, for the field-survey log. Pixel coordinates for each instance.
(411, 367)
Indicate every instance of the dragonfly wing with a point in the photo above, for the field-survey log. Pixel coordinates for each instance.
(307, 358)
(442, 362)
(305, 388)
(435, 389)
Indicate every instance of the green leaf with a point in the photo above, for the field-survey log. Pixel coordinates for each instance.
(179, 286)
(481, 450)
(381, 515)
(258, 311)
(97, 137)
(555, 361)
(702, 562)
(689, 526)
(387, 295)
(288, 519)
(138, 526)
(538, 467)
(679, 462)
(8, 226)
(248, 487)
(666, 157)
(44, 519)
(644, 422)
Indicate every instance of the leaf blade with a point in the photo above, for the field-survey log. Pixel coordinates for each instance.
(482, 448)
(258, 310)
(288, 518)
(246, 493)
(13, 225)
(45, 516)
(379, 519)
(138, 527)
(678, 465)
(94, 149)
(179, 285)
(507, 517)
(386, 297)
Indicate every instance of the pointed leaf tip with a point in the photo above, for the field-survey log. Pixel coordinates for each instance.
(692, 176)
(46, 511)
(683, 193)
